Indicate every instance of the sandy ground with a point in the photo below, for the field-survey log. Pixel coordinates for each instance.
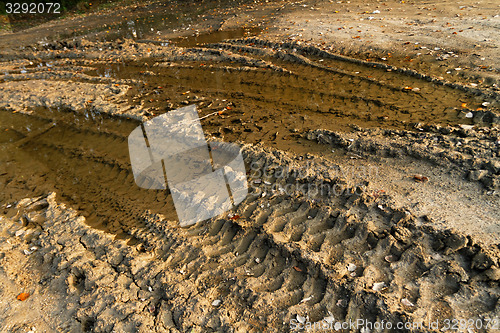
(393, 106)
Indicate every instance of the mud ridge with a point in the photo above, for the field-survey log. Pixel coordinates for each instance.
(314, 50)
(475, 153)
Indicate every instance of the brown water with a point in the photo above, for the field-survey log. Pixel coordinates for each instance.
(215, 36)
(82, 157)
(329, 94)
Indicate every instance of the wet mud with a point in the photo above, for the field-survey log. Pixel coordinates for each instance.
(85, 158)
(366, 248)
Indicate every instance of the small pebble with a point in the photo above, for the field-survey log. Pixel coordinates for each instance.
(379, 286)
(406, 302)
(306, 299)
(301, 319)
(341, 303)
(389, 258)
(330, 319)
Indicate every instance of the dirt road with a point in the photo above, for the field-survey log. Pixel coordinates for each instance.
(370, 135)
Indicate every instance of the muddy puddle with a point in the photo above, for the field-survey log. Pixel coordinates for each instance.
(215, 36)
(84, 158)
(164, 22)
(265, 105)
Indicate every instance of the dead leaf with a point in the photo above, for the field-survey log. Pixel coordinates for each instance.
(378, 193)
(23, 296)
(297, 269)
(420, 178)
